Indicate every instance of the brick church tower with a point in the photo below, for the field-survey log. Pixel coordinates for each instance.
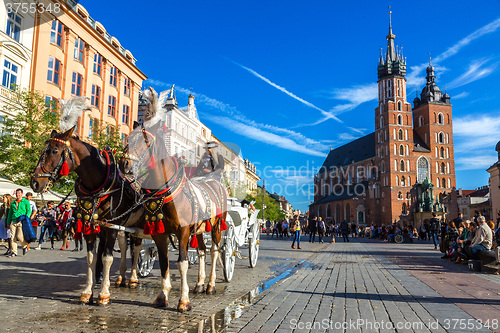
(393, 132)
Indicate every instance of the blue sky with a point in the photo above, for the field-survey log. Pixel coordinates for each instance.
(285, 80)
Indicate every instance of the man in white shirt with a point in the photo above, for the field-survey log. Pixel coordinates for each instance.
(483, 238)
(34, 211)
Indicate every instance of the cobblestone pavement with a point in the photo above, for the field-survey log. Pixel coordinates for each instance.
(369, 286)
(39, 293)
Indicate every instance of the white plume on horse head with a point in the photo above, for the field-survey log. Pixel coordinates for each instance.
(70, 111)
(153, 112)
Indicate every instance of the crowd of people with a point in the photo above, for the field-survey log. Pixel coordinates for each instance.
(21, 221)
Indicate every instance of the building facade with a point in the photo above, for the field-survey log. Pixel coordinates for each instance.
(16, 41)
(375, 179)
(74, 55)
(494, 185)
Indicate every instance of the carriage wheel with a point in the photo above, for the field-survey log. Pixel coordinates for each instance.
(228, 254)
(146, 261)
(192, 257)
(253, 247)
(398, 239)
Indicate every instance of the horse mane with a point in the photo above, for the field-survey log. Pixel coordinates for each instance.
(94, 152)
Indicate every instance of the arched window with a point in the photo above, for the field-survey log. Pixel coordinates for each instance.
(395, 150)
(407, 150)
(400, 195)
(400, 134)
(443, 182)
(422, 169)
(402, 165)
(447, 167)
(400, 119)
(442, 152)
(409, 183)
(441, 137)
(382, 166)
(443, 168)
(449, 183)
(399, 90)
(400, 106)
(397, 180)
(420, 121)
(440, 119)
(408, 196)
(438, 182)
(395, 165)
(403, 181)
(401, 150)
(381, 122)
(403, 209)
(447, 152)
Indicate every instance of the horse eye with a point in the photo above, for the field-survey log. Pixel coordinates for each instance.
(54, 151)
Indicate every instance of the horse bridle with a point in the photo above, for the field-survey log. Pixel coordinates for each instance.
(53, 175)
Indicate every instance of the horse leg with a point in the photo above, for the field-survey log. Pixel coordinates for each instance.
(107, 261)
(182, 265)
(202, 250)
(100, 251)
(86, 296)
(214, 253)
(137, 247)
(162, 245)
(122, 243)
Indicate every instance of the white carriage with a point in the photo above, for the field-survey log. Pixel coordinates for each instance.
(243, 229)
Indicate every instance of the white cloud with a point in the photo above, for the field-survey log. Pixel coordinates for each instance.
(327, 115)
(474, 141)
(354, 96)
(461, 95)
(476, 70)
(253, 131)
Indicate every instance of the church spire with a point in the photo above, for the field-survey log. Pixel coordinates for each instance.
(391, 51)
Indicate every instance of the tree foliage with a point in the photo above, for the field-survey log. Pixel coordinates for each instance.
(273, 210)
(23, 137)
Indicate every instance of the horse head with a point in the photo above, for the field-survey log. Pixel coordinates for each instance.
(57, 159)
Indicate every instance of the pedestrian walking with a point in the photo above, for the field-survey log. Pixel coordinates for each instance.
(433, 229)
(312, 229)
(47, 220)
(296, 232)
(19, 208)
(34, 210)
(4, 228)
(344, 229)
(65, 224)
(320, 228)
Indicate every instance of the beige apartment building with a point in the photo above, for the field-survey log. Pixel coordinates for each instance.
(74, 55)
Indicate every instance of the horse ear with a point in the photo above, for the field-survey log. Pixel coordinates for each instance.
(53, 134)
(136, 124)
(68, 133)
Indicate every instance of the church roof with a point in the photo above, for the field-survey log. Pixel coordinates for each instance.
(352, 152)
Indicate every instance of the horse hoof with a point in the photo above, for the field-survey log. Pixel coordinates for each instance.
(211, 290)
(183, 306)
(160, 302)
(199, 289)
(103, 300)
(85, 299)
(133, 283)
(121, 282)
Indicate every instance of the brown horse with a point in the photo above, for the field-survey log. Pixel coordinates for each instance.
(178, 200)
(97, 180)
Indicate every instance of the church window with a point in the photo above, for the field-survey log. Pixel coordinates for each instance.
(443, 168)
(438, 182)
(389, 90)
(400, 106)
(395, 150)
(447, 167)
(397, 180)
(437, 167)
(442, 152)
(394, 133)
(408, 166)
(395, 165)
(444, 183)
(402, 165)
(382, 166)
(441, 137)
(401, 150)
(399, 93)
(449, 183)
(422, 169)
(420, 121)
(447, 138)
(447, 152)
(400, 134)
(400, 195)
(409, 184)
(440, 119)
(407, 150)
(400, 119)
(381, 122)
(406, 134)
(403, 181)
(436, 149)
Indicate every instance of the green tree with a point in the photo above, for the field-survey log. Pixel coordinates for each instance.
(104, 133)
(272, 211)
(24, 135)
